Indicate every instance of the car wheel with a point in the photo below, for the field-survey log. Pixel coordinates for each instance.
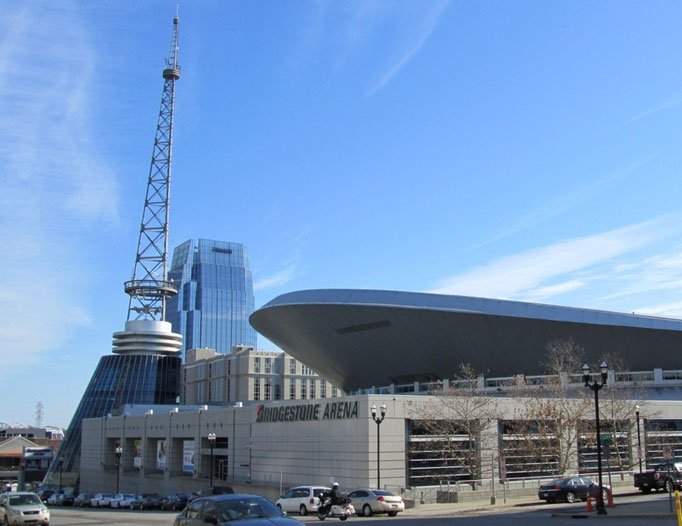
(551, 501)
(392, 513)
(343, 518)
(303, 510)
(367, 510)
(570, 497)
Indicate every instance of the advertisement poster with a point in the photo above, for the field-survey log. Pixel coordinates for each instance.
(161, 454)
(188, 456)
(137, 459)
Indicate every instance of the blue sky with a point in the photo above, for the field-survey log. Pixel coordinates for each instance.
(527, 150)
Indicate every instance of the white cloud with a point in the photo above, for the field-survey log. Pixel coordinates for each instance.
(566, 201)
(427, 26)
(54, 185)
(530, 273)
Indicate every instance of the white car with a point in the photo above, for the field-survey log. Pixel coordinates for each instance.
(371, 501)
(23, 507)
(301, 499)
(101, 500)
(122, 500)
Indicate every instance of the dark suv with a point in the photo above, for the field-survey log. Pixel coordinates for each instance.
(209, 491)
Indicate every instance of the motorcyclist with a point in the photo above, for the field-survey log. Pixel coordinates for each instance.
(335, 497)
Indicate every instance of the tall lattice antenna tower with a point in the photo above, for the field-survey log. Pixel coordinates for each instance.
(150, 287)
(39, 414)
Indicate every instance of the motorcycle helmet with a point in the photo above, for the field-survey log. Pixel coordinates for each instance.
(335, 485)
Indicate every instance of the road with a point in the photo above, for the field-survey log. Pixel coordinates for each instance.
(534, 515)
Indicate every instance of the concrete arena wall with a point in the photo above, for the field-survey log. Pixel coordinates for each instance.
(269, 454)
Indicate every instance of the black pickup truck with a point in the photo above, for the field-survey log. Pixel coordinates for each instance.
(666, 477)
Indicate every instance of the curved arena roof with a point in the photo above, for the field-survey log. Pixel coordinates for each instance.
(357, 339)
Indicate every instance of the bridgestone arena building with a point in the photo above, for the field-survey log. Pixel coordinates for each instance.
(445, 433)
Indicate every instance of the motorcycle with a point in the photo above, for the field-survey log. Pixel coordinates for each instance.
(341, 511)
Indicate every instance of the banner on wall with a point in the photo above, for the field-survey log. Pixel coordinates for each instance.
(137, 459)
(161, 454)
(188, 456)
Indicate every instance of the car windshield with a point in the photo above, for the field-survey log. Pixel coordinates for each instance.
(23, 500)
(247, 508)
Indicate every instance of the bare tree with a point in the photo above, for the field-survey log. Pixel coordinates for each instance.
(545, 427)
(451, 429)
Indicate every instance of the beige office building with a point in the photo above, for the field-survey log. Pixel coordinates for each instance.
(249, 374)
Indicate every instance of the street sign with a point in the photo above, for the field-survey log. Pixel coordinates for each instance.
(605, 440)
(667, 452)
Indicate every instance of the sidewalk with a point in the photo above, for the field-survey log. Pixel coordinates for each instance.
(626, 505)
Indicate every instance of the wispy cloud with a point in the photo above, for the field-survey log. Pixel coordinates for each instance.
(54, 186)
(531, 274)
(565, 202)
(652, 111)
(292, 267)
(427, 26)
(370, 36)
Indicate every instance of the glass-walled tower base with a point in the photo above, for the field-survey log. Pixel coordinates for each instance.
(136, 375)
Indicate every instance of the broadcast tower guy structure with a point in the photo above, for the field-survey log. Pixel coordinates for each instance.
(145, 365)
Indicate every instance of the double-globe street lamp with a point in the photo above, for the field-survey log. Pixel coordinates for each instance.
(639, 439)
(378, 420)
(211, 443)
(596, 385)
(118, 451)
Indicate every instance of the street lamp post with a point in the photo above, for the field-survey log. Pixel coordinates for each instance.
(378, 420)
(61, 463)
(639, 439)
(119, 452)
(596, 385)
(211, 443)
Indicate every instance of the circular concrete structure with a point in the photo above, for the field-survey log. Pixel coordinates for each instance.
(357, 339)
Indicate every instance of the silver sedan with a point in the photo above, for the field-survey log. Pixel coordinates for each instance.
(371, 501)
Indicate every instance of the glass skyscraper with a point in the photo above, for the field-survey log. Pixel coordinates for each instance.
(215, 297)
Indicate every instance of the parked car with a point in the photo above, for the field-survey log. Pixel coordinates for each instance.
(210, 491)
(45, 494)
(101, 500)
(571, 489)
(122, 500)
(175, 501)
(223, 509)
(301, 499)
(53, 499)
(14, 506)
(371, 501)
(148, 501)
(82, 500)
(666, 476)
(66, 500)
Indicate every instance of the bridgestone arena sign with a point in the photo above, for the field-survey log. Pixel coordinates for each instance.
(298, 413)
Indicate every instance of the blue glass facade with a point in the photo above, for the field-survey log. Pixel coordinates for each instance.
(118, 380)
(215, 298)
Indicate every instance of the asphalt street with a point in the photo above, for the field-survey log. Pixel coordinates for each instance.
(629, 511)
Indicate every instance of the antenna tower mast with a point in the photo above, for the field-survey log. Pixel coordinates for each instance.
(149, 289)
